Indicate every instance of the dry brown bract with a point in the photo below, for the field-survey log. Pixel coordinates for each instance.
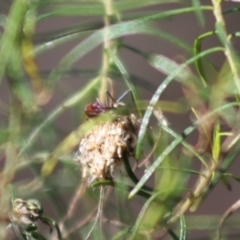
(102, 149)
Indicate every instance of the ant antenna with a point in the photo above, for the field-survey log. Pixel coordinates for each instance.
(123, 95)
(119, 99)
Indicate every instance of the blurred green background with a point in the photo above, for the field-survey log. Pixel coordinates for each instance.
(180, 59)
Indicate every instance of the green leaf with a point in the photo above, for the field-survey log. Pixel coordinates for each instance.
(171, 13)
(172, 145)
(161, 34)
(96, 9)
(12, 29)
(226, 182)
(231, 175)
(183, 229)
(131, 174)
(20, 87)
(121, 234)
(188, 146)
(232, 54)
(125, 76)
(197, 50)
(231, 10)
(142, 213)
(4, 135)
(118, 30)
(216, 142)
(73, 10)
(198, 12)
(62, 107)
(49, 221)
(37, 236)
(54, 39)
(120, 186)
(3, 19)
(134, 4)
(172, 234)
(160, 90)
(167, 66)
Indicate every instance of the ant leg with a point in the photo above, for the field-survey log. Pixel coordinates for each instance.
(120, 98)
(109, 97)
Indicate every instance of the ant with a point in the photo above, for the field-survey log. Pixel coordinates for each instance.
(96, 108)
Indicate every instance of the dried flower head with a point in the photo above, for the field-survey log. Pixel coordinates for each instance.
(25, 212)
(102, 148)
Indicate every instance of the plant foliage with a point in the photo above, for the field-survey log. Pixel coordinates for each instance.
(42, 117)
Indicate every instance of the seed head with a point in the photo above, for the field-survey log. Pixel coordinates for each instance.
(102, 148)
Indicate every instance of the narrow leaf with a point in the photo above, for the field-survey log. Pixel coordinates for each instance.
(172, 145)
(160, 90)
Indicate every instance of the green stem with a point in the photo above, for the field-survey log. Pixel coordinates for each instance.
(12, 29)
(107, 45)
(229, 50)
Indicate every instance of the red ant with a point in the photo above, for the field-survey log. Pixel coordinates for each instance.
(94, 109)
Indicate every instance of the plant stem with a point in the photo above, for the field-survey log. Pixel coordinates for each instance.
(72, 207)
(204, 186)
(9, 169)
(200, 189)
(229, 50)
(106, 46)
(99, 212)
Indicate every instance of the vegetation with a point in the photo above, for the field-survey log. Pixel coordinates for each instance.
(43, 120)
